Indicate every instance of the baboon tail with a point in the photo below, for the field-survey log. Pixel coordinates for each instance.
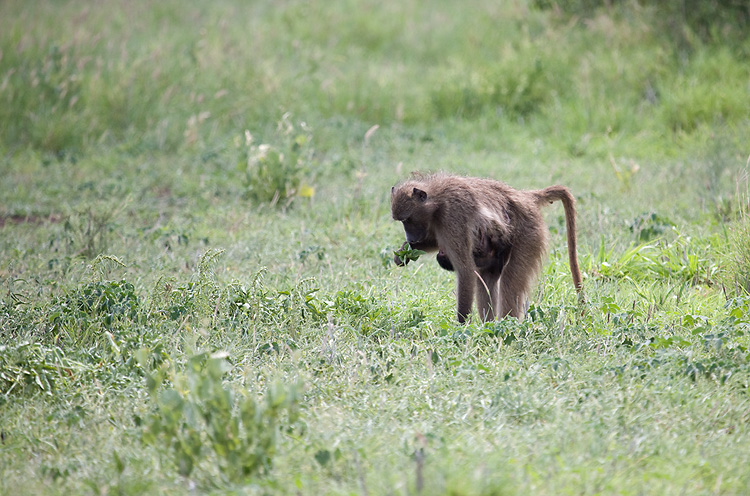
(548, 195)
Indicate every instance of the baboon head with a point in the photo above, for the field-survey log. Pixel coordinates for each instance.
(412, 207)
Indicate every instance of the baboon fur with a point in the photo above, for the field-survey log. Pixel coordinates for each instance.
(493, 236)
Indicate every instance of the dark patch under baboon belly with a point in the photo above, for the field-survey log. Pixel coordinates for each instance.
(491, 257)
(444, 261)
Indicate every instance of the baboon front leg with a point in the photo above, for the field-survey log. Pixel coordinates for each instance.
(487, 294)
(465, 283)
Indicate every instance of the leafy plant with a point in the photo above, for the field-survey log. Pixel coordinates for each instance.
(102, 305)
(366, 311)
(407, 254)
(282, 306)
(302, 298)
(197, 418)
(86, 232)
(277, 173)
(649, 226)
(198, 297)
(176, 303)
(318, 251)
(109, 300)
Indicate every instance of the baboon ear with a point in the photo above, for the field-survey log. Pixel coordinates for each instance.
(419, 194)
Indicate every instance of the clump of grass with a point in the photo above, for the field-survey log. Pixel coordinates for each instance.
(737, 274)
(86, 314)
(740, 240)
(30, 367)
(87, 230)
(514, 87)
(681, 259)
(650, 225)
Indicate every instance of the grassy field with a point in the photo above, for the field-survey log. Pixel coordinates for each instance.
(196, 293)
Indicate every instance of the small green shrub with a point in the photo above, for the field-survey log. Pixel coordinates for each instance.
(87, 231)
(365, 311)
(650, 225)
(175, 303)
(739, 263)
(197, 418)
(690, 100)
(196, 298)
(277, 173)
(709, 20)
(82, 315)
(282, 307)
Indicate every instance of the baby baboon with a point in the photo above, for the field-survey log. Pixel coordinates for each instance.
(483, 229)
(486, 254)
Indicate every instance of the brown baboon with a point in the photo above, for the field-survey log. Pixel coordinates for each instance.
(483, 229)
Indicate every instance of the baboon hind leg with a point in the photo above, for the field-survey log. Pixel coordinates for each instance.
(514, 290)
(488, 300)
(490, 262)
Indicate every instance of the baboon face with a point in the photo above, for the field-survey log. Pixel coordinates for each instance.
(413, 211)
(415, 232)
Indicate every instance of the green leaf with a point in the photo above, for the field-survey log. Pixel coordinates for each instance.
(323, 457)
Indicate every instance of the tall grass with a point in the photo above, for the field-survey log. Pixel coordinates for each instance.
(173, 76)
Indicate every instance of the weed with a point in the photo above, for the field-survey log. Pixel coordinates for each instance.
(198, 419)
(680, 259)
(277, 173)
(366, 312)
(176, 303)
(649, 226)
(301, 300)
(256, 300)
(285, 308)
(84, 314)
(32, 367)
(625, 175)
(86, 232)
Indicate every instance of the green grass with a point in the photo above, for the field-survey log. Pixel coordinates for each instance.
(196, 287)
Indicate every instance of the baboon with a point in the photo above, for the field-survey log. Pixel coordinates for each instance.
(486, 231)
